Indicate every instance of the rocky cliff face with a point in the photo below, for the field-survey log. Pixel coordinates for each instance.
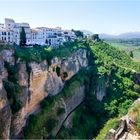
(37, 81)
(5, 113)
(69, 106)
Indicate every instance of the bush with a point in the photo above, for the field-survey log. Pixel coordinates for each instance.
(60, 111)
(65, 75)
(12, 92)
(111, 123)
(137, 88)
(16, 106)
(50, 124)
(12, 71)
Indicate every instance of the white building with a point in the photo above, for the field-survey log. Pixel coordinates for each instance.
(10, 33)
(16, 32)
(6, 35)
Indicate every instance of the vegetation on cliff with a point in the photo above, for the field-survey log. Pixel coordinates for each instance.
(111, 73)
(38, 54)
(111, 55)
(12, 87)
(116, 70)
(134, 113)
(41, 125)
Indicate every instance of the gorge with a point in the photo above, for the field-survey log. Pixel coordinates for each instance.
(70, 92)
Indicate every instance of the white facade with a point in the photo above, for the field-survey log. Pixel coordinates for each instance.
(6, 35)
(10, 33)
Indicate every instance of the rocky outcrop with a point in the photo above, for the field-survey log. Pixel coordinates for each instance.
(137, 78)
(37, 81)
(69, 121)
(5, 113)
(69, 105)
(126, 128)
(100, 89)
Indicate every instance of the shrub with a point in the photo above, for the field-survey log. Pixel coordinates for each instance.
(137, 88)
(16, 106)
(50, 124)
(12, 92)
(65, 75)
(111, 123)
(12, 71)
(60, 111)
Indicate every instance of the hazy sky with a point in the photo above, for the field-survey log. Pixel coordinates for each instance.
(112, 16)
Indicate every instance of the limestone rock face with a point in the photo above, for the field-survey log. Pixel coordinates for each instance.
(8, 56)
(69, 106)
(101, 91)
(23, 75)
(5, 113)
(37, 81)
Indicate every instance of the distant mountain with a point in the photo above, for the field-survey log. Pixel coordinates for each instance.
(106, 36)
(121, 36)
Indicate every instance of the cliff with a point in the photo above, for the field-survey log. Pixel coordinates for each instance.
(70, 92)
(36, 81)
(5, 113)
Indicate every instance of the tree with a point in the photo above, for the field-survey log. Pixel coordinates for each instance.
(22, 37)
(46, 41)
(131, 54)
(95, 37)
(78, 33)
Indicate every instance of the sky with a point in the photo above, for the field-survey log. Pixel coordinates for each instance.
(97, 16)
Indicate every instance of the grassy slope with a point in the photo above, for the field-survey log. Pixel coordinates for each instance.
(112, 123)
(134, 113)
(110, 54)
(120, 95)
(127, 48)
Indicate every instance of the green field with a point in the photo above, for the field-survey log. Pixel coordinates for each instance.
(128, 48)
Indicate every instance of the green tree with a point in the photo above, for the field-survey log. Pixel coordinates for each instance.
(22, 37)
(95, 37)
(78, 33)
(131, 54)
(46, 42)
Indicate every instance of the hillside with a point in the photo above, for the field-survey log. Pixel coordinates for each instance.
(128, 35)
(70, 92)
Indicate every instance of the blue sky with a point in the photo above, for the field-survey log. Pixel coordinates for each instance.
(112, 16)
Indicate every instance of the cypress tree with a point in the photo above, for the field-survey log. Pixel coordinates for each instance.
(22, 37)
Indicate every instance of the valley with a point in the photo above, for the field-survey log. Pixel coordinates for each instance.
(72, 92)
(128, 45)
